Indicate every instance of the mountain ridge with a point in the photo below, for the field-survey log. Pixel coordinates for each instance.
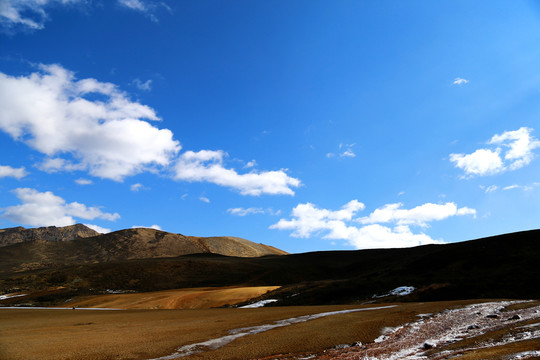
(20, 234)
(31, 249)
(503, 266)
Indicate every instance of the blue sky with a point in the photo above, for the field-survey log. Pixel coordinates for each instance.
(306, 125)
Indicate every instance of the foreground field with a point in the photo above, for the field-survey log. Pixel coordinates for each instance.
(150, 334)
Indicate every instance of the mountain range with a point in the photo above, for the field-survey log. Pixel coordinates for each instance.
(504, 266)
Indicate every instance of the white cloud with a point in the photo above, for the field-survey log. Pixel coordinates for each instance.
(82, 181)
(50, 111)
(8, 171)
(244, 212)
(522, 187)
(419, 216)
(147, 7)
(345, 151)
(481, 162)
(97, 228)
(155, 227)
(145, 86)
(251, 164)
(133, 4)
(207, 165)
(46, 209)
(513, 150)
(460, 81)
(136, 187)
(307, 220)
(489, 189)
(204, 199)
(29, 14)
(520, 144)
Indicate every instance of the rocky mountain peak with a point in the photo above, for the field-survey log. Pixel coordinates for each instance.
(50, 233)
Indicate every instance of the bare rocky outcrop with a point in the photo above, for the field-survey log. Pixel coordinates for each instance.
(20, 234)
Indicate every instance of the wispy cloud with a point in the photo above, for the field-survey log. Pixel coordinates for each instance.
(82, 181)
(252, 210)
(204, 199)
(46, 209)
(522, 187)
(490, 188)
(136, 187)
(460, 81)
(8, 171)
(510, 150)
(147, 7)
(345, 151)
(386, 227)
(28, 14)
(142, 85)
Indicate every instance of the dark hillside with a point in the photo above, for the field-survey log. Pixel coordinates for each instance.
(503, 266)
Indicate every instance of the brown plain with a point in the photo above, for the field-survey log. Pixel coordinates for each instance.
(146, 334)
(197, 298)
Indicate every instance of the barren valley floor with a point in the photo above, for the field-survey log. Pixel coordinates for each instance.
(150, 334)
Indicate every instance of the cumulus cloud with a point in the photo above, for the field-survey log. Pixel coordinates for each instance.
(307, 219)
(83, 124)
(97, 228)
(511, 150)
(207, 166)
(155, 227)
(46, 209)
(28, 14)
(460, 81)
(8, 171)
(419, 216)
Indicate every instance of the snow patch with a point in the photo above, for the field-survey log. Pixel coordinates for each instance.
(399, 291)
(10, 296)
(258, 304)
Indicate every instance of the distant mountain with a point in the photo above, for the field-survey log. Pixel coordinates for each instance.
(504, 266)
(19, 234)
(28, 249)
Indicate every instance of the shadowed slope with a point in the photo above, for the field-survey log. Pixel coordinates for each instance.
(503, 266)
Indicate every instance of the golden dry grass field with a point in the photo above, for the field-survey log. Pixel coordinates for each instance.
(196, 298)
(146, 334)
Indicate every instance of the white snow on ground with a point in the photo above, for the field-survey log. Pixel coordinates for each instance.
(525, 355)
(402, 290)
(258, 304)
(10, 296)
(234, 334)
(411, 341)
(399, 291)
